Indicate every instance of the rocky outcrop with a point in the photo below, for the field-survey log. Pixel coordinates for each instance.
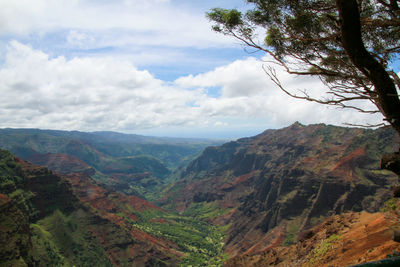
(51, 220)
(62, 163)
(288, 179)
(50, 192)
(391, 162)
(341, 240)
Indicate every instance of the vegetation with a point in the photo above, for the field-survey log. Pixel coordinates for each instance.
(55, 234)
(292, 230)
(71, 236)
(57, 229)
(350, 45)
(204, 211)
(323, 248)
(137, 165)
(39, 223)
(201, 241)
(92, 147)
(390, 205)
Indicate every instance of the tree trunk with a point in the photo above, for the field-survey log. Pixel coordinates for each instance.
(386, 97)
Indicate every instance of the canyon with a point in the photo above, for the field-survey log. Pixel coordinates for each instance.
(272, 199)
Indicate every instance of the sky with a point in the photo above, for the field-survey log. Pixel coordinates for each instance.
(151, 67)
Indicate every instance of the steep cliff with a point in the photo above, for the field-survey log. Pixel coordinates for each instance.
(131, 164)
(72, 220)
(341, 240)
(283, 181)
(43, 222)
(38, 208)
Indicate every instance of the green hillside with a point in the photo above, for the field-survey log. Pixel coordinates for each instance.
(48, 220)
(131, 164)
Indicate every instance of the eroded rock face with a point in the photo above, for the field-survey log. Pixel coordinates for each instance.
(61, 163)
(341, 240)
(289, 178)
(52, 220)
(391, 162)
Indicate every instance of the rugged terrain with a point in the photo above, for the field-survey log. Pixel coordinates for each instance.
(341, 240)
(131, 164)
(253, 200)
(47, 219)
(42, 217)
(284, 181)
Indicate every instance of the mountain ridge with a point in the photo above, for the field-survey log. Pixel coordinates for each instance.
(115, 159)
(72, 220)
(246, 200)
(291, 178)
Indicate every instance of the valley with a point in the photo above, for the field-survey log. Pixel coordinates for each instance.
(73, 198)
(172, 133)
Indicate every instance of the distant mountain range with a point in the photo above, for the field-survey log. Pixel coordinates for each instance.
(133, 164)
(173, 152)
(253, 200)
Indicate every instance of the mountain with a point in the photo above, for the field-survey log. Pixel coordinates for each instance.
(52, 220)
(132, 164)
(49, 225)
(42, 222)
(173, 152)
(341, 240)
(270, 187)
(301, 194)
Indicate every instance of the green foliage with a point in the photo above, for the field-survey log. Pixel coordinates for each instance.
(58, 239)
(71, 239)
(172, 190)
(202, 242)
(289, 240)
(229, 18)
(307, 38)
(94, 148)
(44, 251)
(14, 239)
(377, 142)
(390, 205)
(109, 154)
(10, 171)
(204, 211)
(273, 37)
(292, 230)
(319, 251)
(326, 245)
(143, 163)
(12, 183)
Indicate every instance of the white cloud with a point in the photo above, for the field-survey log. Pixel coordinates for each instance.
(86, 94)
(169, 38)
(240, 78)
(111, 94)
(48, 90)
(247, 90)
(111, 23)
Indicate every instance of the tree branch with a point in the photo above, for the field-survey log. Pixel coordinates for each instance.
(271, 73)
(388, 100)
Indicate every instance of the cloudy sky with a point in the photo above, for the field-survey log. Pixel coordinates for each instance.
(141, 66)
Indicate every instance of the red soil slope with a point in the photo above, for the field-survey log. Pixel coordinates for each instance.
(341, 240)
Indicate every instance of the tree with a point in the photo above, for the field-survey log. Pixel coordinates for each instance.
(350, 45)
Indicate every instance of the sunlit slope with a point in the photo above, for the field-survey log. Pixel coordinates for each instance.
(284, 181)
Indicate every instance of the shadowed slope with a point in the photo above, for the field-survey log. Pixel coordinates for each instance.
(271, 186)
